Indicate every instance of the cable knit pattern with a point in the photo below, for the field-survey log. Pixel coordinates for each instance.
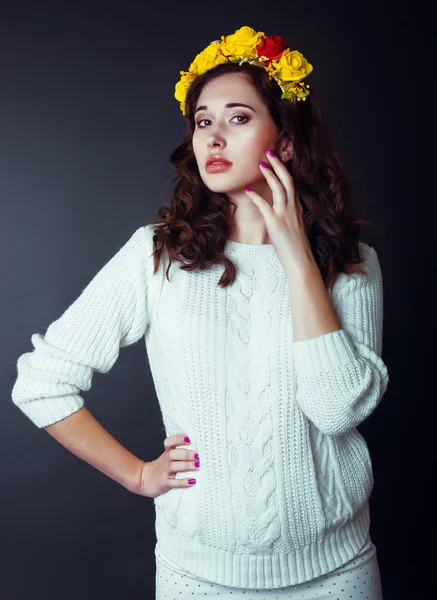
(249, 412)
(282, 493)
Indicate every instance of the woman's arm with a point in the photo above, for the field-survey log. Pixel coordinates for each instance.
(85, 437)
(110, 313)
(341, 376)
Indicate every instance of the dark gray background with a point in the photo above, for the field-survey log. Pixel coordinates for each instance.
(87, 123)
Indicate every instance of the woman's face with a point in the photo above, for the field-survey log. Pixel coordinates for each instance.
(240, 134)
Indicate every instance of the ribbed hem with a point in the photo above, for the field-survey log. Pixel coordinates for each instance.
(264, 571)
(46, 411)
(323, 353)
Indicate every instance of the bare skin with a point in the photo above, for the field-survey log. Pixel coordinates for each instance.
(158, 476)
(241, 135)
(83, 435)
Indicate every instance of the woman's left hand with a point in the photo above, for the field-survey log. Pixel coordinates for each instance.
(284, 220)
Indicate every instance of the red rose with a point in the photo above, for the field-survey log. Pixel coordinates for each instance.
(271, 46)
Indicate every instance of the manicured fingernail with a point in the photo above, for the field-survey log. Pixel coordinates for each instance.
(191, 481)
(248, 189)
(271, 153)
(187, 439)
(196, 455)
(263, 164)
(197, 464)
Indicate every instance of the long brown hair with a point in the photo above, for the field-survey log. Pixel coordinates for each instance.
(195, 226)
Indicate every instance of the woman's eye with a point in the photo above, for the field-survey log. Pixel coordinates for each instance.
(234, 117)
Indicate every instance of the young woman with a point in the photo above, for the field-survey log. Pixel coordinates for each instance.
(262, 315)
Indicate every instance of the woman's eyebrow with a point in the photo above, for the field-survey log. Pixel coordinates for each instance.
(230, 105)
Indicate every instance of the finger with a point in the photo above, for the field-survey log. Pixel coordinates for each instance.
(265, 209)
(172, 482)
(279, 192)
(282, 173)
(177, 466)
(183, 454)
(178, 439)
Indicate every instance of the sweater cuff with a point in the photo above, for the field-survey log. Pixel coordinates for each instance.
(46, 411)
(323, 353)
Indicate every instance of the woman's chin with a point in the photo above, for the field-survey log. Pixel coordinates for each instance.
(227, 188)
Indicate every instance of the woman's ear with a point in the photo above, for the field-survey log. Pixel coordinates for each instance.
(285, 149)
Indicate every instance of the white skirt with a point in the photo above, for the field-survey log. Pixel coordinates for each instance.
(358, 578)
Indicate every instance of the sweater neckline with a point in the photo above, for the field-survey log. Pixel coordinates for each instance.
(252, 257)
(246, 246)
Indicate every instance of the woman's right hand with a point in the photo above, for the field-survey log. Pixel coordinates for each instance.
(158, 476)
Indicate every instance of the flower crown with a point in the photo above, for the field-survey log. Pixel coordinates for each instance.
(288, 67)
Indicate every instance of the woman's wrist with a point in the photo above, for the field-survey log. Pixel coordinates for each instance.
(137, 477)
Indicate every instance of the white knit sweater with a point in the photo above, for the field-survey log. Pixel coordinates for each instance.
(282, 493)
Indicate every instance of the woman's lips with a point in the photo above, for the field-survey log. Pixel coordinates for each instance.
(216, 167)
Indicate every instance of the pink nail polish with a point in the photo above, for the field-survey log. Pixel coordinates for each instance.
(187, 439)
(271, 153)
(191, 481)
(263, 164)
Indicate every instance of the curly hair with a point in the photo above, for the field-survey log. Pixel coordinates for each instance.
(196, 225)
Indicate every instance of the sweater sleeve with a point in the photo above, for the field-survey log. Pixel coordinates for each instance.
(341, 376)
(110, 313)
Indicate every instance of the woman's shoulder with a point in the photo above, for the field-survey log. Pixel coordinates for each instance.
(366, 249)
(356, 272)
(146, 231)
(142, 237)
(368, 255)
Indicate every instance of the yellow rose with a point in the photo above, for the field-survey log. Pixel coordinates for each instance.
(241, 43)
(181, 88)
(291, 66)
(207, 59)
(183, 84)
